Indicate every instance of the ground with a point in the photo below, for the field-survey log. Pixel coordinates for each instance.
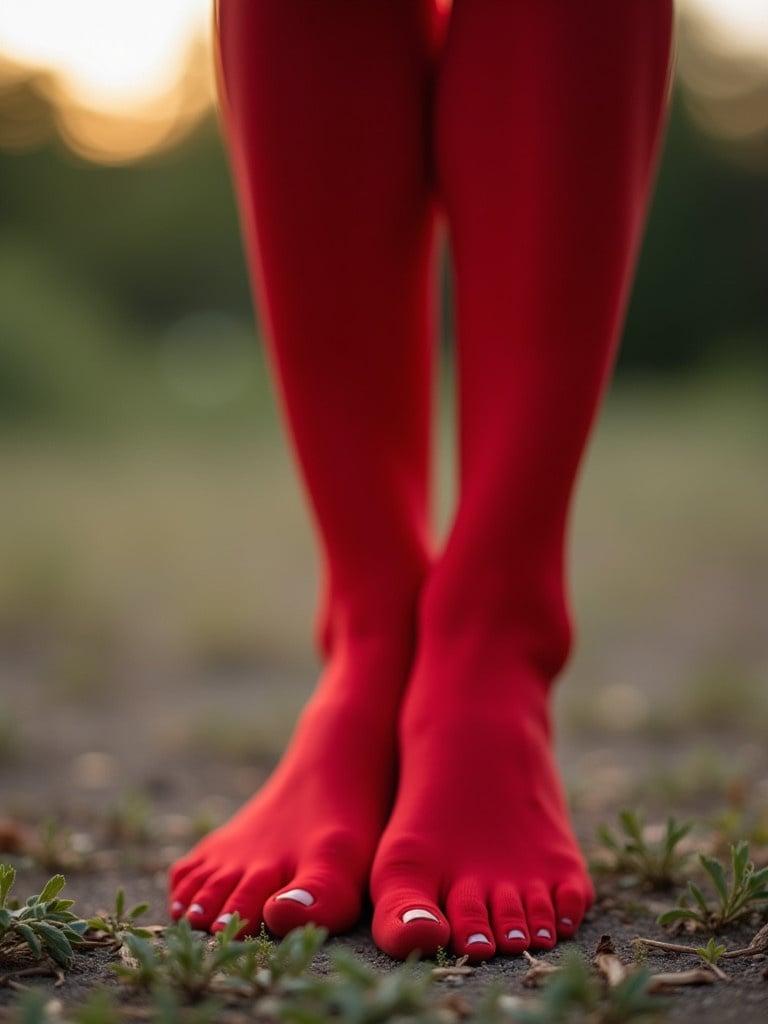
(155, 607)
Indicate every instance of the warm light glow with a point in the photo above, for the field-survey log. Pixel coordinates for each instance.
(127, 78)
(107, 55)
(740, 25)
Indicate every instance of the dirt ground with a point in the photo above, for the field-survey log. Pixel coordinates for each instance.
(155, 608)
(126, 809)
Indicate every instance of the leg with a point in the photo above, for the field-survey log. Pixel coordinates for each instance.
(325, 106)
(548, 117)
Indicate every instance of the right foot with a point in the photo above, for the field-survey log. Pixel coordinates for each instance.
(301, 849)
(479, 850)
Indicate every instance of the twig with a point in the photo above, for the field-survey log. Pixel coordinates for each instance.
(458, 970)
(759, 944)
(608, 964)
(669, 947)
(537, 971)
(38, 970)
(679, 979)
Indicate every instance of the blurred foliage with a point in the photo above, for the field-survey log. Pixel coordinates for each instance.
(123, 288)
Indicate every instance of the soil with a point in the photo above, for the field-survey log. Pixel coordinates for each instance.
(130, 792)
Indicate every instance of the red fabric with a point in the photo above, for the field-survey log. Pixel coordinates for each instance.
(541, 139)
(325, 104)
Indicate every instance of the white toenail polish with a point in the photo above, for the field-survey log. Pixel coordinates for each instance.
(196, 909)
(176, 906)
(515, 934)
(477, 937)
(419, 914)
(566, 921)
(298, 896)
(543, 933)
(224, 918)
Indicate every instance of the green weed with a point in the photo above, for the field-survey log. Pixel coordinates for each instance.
(712, 952)
(640, 860)
(188, 964)
(43, 926)
(733, 897)
(121, 922)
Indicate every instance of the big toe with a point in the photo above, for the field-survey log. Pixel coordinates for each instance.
(319, 895)
(409, 921)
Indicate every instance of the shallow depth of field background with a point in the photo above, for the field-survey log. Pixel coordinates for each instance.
(157, 576)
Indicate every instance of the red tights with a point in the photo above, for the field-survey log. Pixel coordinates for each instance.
(532, 126)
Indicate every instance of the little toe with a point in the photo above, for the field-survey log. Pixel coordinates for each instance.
(540, 915)
(323, 896)
(471, 930)
(183, 893)
(570, 906)
(407, 921)
(510, 927)
(209, 899)
(247, 899)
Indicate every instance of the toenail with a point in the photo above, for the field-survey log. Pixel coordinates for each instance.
(515, 934)
(418, 914)
(224, 918)
(176, 906)
(196, 909)
(543, 933)
(298, 896)
(477, 937)
(566, 921)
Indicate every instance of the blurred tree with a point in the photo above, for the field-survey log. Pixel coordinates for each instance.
(143, 245)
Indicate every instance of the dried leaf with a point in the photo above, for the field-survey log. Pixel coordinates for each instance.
(460, 969)
(538, 970)
(608, 964)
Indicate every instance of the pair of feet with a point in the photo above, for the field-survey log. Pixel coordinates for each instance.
(477, 852)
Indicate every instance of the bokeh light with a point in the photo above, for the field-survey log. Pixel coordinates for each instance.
(121, 81)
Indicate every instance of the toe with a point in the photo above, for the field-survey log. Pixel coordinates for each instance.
(183, 892)
(540, 915)
(409, 921)
(181, 869)
(510, 927)
(207, 902)
(570, 901)
(321, 895)
(247, 900)
(471, 930)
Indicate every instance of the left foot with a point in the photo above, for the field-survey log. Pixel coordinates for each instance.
(301, 849)
(479, 852)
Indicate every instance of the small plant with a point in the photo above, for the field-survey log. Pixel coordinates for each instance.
(575, 993)
(44, 926)
(356, 993)
(733, 897)
(641, 860)
(265, 966)
(129, 820)
(441, 957)
(188, 964)
(120, 922)
(185, 963)
(712, 952)
(56, 848)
